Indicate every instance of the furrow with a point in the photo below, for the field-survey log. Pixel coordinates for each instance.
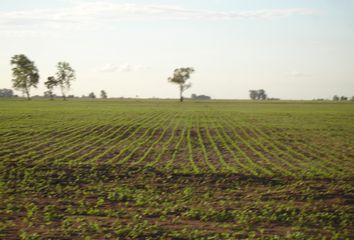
(265, 166)
(154, 144)
(114, 151)
(162, 149)
(190, 151)
(315, 154)
(296, 156)
(227, 143)
(41, 149)
(269, 153)
(176, 149)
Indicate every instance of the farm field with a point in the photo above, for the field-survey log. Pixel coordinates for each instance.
(149, 169)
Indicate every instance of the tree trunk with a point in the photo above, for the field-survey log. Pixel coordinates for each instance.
(28, 95)
(63, 94)
(180, 93)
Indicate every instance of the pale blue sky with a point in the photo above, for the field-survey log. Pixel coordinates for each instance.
(295, 49)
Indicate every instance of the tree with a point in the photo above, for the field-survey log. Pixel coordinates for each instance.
(261, 94)
(25, 74)
(103, 94)
(258, 94)
(200, 97)
(92, 95)
(6, 93)
(50, 84)
(343, 98)
(65, 76)
(180, 77)
(253, 94)
(335, 98)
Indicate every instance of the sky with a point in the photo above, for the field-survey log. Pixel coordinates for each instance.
(294, 49)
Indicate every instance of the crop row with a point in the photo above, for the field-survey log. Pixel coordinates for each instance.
(173, 141)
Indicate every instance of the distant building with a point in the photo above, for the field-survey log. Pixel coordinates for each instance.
(200, 97)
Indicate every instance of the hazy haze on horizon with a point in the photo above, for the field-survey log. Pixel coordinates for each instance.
(294, 49)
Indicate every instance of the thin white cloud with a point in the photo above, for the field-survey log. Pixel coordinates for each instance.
(297, 74)
(109, 68)
(103, 12)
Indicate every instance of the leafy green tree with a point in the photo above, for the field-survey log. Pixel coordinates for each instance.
(50, 84)
(335, 98)
(258, 94)
(180, 77)
(25, 74)
(253, 94)
(6, 93)
(92, 95)
(343, 98)
(103, 94)
(261, 94)
(65, 76)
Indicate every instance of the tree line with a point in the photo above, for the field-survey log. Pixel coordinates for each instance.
(261, 95)
(342, 98)
(92, 95)
(6, 93)
(26, 75)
